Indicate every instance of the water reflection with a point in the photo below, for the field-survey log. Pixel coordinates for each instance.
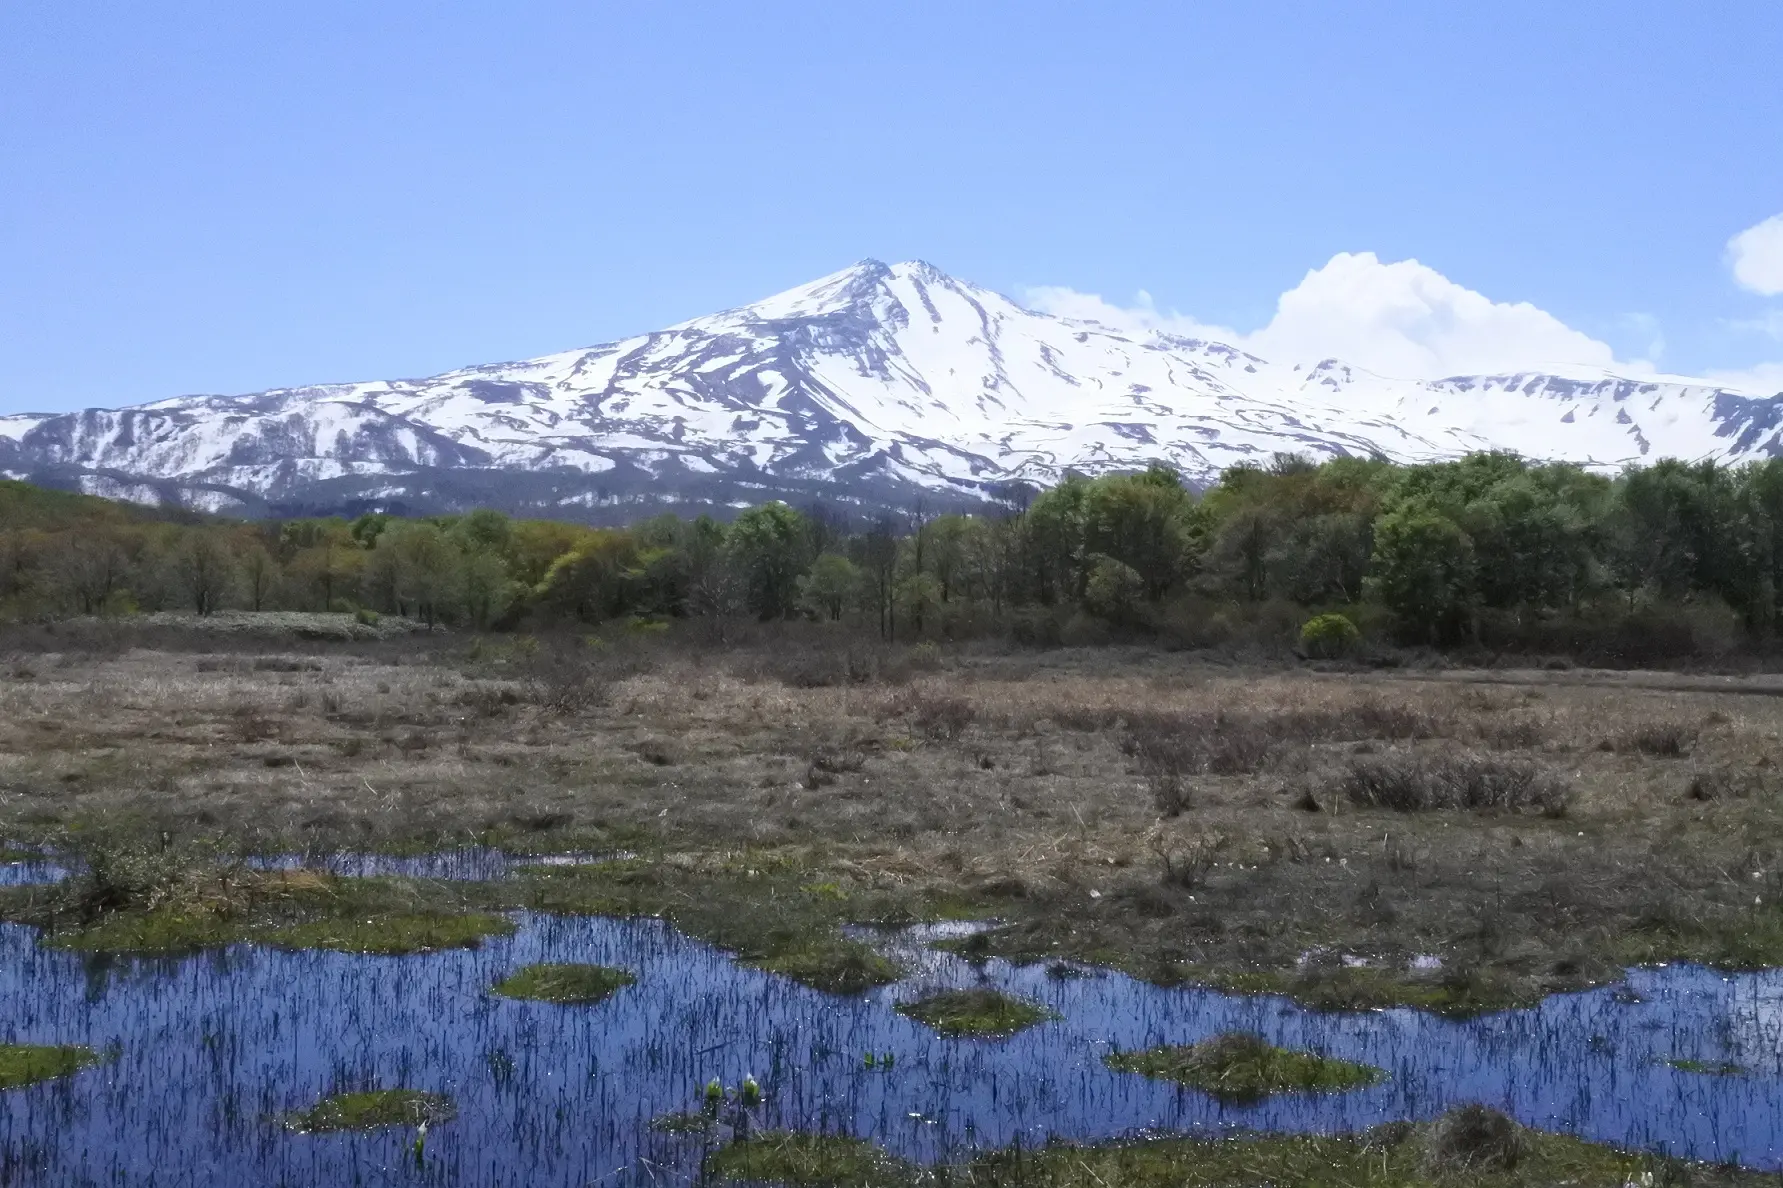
(469, 863)
(22, 871)
(213, 1049)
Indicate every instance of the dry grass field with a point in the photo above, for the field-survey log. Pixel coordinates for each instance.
(1445, 839)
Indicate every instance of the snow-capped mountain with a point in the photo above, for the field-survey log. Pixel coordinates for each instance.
(875, 386)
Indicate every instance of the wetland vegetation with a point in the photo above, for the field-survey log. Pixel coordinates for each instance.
(29, 1064)
(1210, 798)
(1474, 1147)
(1244, 1067)
(977, 1013)
(372, 1109)
(566, 983)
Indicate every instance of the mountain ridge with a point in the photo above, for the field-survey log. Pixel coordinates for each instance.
(873, 386)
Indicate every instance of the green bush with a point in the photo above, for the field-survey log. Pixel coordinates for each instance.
(1114, 591)
(367, 616)
(1328, 637)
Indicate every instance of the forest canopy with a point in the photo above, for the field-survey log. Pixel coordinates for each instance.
(1489, 545)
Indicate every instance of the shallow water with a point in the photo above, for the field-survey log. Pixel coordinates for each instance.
(467, 863)
(212, 1050)
(478, 864)
(31, 870)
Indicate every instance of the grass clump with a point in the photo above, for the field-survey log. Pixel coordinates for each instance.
(371, 1109)
(809, 1161)
(579, 985)
(393, 936)
(1474, 1138)
(165, 932)
(1709, 1068)
(1661, 740)
(982, 1014)
(28, 1064)
(1471, 1146)
(1243, 1067)
(1421, 783)
(833, 965)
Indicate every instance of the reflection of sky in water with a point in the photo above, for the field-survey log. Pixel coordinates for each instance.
(473, 863)
(215, 1047)
(17, 874)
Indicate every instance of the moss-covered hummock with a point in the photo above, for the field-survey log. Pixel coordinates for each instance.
(164, 932)
(577, 985)
(809, 1161)
(27, 1064)
(392, 936)
(833, 965)
(1242, 1067)
(769, 909)
(976, 1013)
(372, 1108)
(1709, 1068)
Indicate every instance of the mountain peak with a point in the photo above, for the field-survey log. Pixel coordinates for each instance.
(872, 386)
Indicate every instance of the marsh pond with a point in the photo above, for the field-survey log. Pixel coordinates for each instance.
(208, 1069)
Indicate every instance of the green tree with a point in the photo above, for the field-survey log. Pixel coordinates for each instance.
(1115, 591)
(833, 581)
(771, 548)
(1148, 522)
(205, 567)
(1423, 570)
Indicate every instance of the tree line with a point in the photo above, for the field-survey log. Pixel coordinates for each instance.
(1434, 553)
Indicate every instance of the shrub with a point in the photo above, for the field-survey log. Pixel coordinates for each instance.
(571, 679)
(1662, 740)
(1473, 1138)
(1036, 627)
(944, 718)
(1192, 744)
(1188, 867)
(366, 616)
(1114, 591)
(1165, 760)
(1238, 744)
(1415, 783)
(1329, 637)
(924, 657)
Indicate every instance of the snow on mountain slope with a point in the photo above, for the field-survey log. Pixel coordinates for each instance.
(874, 385)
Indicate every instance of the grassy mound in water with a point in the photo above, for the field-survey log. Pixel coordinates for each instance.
(570, 985)
(833, 965)
(981, 1014)
(392, 936)
(809, 1161)
(371, 1109)
(28, 1064)
(1243, 1067)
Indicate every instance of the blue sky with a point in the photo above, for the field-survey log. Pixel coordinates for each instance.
(221, 197)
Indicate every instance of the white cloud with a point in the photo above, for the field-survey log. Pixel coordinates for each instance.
(1401, 319)
(1764, 379)
(1756, 256)
(1139, 317)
